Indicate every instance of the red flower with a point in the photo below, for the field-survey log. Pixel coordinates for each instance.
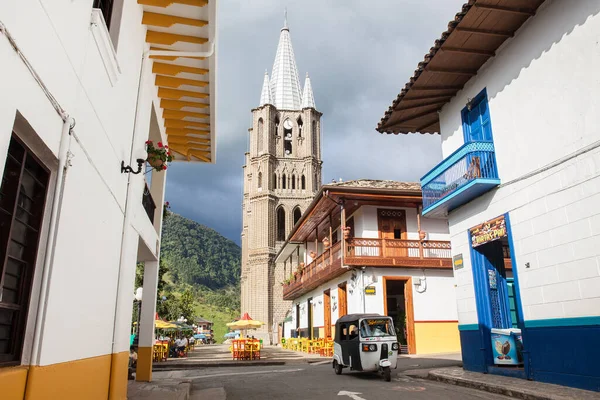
(167, 203)
(166, 147)
(148, 141)
(164, 167)
(168, 153)
(160, 145)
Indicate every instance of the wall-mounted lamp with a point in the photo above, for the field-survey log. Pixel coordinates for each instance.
(128, 170)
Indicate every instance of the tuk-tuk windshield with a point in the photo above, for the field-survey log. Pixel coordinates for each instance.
(376, 327)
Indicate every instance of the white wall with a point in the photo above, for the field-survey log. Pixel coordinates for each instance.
(366, 224)
(542, 88)
(57, 38)
(436, 303)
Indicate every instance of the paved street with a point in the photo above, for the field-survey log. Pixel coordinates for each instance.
(316, 381)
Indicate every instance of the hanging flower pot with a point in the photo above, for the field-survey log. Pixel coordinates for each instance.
(326, 242)
(422, 235)
(159, 156)
(313, 255)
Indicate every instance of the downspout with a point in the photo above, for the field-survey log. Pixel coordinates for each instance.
(63, 166)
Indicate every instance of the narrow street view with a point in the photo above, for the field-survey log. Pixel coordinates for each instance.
(316, 199)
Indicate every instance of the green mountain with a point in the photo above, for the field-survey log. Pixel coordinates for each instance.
(202, 273)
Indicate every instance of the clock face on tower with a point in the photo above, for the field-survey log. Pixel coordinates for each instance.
(287, 124)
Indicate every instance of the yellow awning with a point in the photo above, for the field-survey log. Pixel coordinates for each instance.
(185, 82)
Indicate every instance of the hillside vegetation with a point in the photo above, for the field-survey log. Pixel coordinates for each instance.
(201, 273)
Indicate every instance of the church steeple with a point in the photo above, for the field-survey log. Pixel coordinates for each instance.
(308, 99)
(265, 95)
(285, 83)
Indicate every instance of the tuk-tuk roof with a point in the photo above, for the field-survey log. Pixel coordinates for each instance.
(356, 317)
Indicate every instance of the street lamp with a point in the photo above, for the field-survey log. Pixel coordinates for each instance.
(138, 299)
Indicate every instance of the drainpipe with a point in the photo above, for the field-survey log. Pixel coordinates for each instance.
(63, 166)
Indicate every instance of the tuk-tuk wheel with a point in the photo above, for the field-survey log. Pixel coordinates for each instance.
(387, 374)
(337, 367)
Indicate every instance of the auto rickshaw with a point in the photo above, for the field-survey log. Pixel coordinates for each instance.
(365, 342)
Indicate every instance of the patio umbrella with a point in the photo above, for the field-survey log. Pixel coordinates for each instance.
(159, 324)
(245, 323)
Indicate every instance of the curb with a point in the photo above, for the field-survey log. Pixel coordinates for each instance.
(187, 387)
(486, 387)
(212, 364)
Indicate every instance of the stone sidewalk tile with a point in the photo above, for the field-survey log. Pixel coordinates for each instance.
(159, 390)
(512, 387)
(209, 394)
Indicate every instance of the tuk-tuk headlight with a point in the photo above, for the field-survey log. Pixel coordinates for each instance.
(369, 347)
(395, 346)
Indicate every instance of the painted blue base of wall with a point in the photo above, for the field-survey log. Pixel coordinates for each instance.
(473, 356)
(565, 355)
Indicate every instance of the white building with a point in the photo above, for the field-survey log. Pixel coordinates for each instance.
(513, 89)
(391, 262)
(83, 89)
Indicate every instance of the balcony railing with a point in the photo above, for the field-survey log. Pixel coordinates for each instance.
(398, 252)
(148, 203)
(322, 269)
(468, 173)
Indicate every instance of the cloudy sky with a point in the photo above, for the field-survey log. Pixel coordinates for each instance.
(359, 54)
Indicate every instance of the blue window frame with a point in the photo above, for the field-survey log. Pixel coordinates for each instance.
(477, 125)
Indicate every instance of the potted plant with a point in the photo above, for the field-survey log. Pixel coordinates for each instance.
(326, 242)
(422, 235)
(159, 156)
(313, 255)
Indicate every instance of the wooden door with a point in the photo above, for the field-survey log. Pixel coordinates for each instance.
(327, 312)
(392, 227)
(410, 317)
(342, 300)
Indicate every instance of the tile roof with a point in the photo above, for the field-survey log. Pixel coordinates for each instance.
(378, 184)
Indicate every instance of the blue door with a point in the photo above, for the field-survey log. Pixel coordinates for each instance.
(477, 125)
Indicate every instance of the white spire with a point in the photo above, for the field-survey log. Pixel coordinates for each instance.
(265, 95)
(308, 100)
(285, 83)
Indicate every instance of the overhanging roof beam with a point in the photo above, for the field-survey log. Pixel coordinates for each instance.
(514, 10)
(431, 88)
(437, 103)
(478, 52)
(489, 32)
(412, 117)
(454, 71)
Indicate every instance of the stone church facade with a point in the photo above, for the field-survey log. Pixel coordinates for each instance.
(282, 174)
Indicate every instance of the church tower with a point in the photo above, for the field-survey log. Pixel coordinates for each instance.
(282, 174)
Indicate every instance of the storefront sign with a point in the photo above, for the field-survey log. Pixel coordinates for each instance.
(457, 261)
(370, 290)
(488, 231)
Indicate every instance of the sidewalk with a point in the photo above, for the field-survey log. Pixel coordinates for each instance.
(512, 387)
(159, 390)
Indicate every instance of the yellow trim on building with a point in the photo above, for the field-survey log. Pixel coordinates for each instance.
(167, 21)
(174, 69)
(81, 379)
(437, 337)
(12, 383)
(143, 371)
(119, 367)
(172, 38)
(178, 105)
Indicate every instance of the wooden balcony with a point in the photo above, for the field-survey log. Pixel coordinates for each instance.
(369, 252)
(324, 268)
(398, 253)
